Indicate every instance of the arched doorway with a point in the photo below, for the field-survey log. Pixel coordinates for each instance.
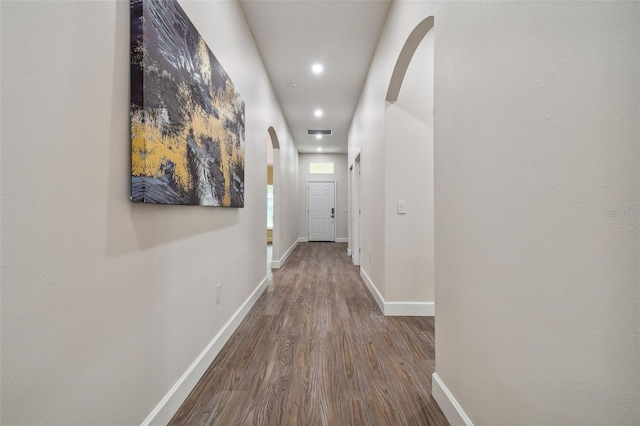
(404, 59)
(273, 198)
(409, 177)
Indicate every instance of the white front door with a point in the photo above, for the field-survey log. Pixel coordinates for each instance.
(322, 211)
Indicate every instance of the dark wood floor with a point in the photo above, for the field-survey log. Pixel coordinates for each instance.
(315, 350)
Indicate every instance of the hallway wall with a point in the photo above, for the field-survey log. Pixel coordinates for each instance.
(536, 204)
(105, 304)
(342, 190)
(408, 136)
(285, 193)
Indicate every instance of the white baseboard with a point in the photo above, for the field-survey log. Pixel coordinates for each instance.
(275, 264)
(372, 289)
(398, 309)
(409, 309)
(348, 252)
(448, 404)
(171, 402)
(338, 240)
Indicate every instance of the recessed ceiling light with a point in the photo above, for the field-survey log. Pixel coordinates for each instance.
(317, 68)
(318, 136)
(318, 113)
(292, 84)
(319, 149)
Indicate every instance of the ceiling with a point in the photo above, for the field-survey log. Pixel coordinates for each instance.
(294, 35)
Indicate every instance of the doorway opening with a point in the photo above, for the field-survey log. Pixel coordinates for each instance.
(321, 209)
(272, 198)
(409, 172)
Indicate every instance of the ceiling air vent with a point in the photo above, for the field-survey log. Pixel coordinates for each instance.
(319, 132)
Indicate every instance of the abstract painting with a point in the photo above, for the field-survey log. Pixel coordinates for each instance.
(187, 119)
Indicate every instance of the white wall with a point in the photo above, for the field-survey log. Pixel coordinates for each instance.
(105, 304)
(288, 191)
(366, 137)
(342, 190)
(285, 196)
(408, 136)
(285, 193)
(536, 144)
(396, 145)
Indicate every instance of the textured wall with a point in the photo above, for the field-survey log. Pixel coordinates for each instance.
(536, 199)
(536, 140)
(105, 303)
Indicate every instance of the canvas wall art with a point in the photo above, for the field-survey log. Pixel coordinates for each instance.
(187, 119)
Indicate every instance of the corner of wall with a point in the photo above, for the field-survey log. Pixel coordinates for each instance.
(397, 309)
(450, 407)
(276, 264)
(372, 289)
(173, 400)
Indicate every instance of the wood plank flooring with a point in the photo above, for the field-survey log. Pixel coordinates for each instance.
(315, 350)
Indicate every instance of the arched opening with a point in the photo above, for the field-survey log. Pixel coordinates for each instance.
(274, 138)
(409, 177)
(404, 59)
(273, 198)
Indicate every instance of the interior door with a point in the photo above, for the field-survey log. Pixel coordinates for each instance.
(322, 211)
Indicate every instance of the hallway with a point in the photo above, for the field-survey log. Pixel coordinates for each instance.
(315, 349)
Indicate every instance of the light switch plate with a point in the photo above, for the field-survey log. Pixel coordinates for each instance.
(402, 207)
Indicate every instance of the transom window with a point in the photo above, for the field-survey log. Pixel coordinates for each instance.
(321, 168)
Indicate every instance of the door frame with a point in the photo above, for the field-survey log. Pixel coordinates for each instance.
(356, 212)
(335, 206)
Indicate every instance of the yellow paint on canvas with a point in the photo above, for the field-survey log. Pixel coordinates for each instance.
(152, 149)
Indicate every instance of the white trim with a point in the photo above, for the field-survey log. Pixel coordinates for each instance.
(275, 264)
(171, 402)
(342, 240)
(448, 404)
(409, 309)
(303, 240)
(373, 290)
(355, 211)
(348, 252)
(398, 309)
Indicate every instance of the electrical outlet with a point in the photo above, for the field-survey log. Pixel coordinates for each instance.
(219, 293)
